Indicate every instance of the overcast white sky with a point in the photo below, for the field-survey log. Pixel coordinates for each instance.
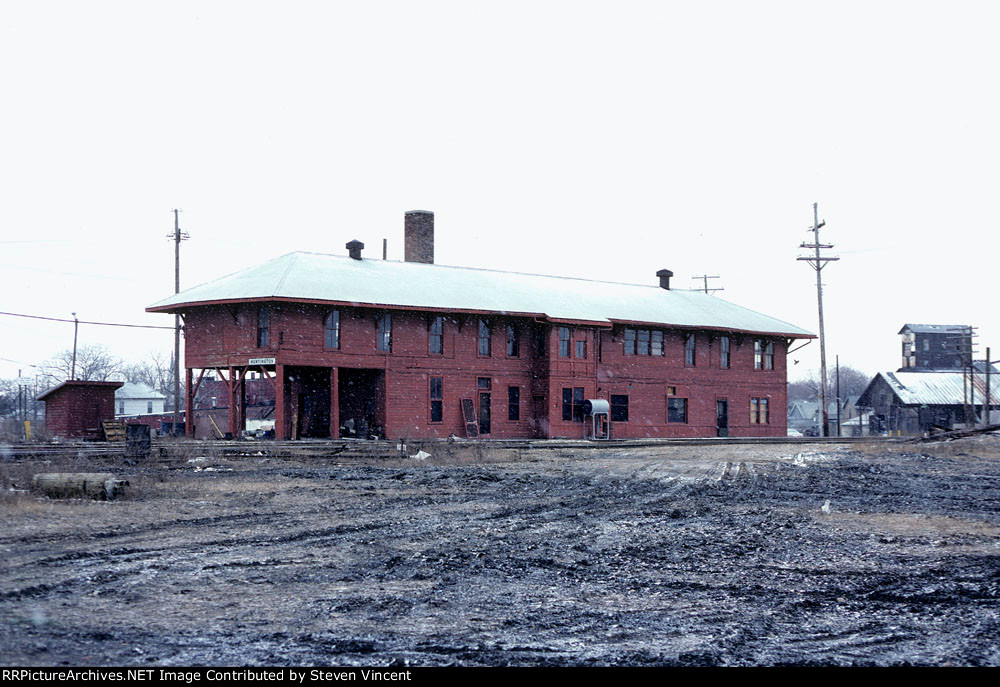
(601, 140)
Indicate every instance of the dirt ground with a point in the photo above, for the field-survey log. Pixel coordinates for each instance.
(680, 555)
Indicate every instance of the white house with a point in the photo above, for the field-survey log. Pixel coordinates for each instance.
(138, 399)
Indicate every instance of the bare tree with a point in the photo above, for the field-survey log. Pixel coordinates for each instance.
(852, 383)
(8, 397)
(94, 363)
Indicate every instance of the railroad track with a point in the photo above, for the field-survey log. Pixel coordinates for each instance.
(357, 450)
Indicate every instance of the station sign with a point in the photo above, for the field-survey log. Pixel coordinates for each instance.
(261, 361)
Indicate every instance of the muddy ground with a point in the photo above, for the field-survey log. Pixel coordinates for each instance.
(681, 555)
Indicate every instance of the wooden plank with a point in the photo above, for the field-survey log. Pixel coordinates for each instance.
(471, 421)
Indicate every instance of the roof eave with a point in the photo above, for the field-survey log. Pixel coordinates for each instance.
(713, 328)
(602, 324)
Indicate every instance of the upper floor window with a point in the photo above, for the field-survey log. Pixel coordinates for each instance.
(724, 352)
(763, 355)
(656, 342)
(643, 341)
(689, 350)
(385, 333)
(435, 336)
(263, 326)
(563, 342)
(629, 341)
(581, 349)
(332, 328)
(513, 341)
(484, 337)
(541, 342)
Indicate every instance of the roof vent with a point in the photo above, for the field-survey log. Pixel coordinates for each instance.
(418, 229)
(354, 248)
(664, 276)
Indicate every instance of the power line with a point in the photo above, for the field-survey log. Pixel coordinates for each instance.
(103, 324)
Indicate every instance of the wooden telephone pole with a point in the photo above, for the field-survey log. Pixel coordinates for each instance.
(818, 262)
(177, 236)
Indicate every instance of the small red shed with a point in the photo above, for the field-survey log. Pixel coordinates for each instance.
(76, 409)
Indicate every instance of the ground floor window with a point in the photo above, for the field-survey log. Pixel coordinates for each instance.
(759, 411)
(437, 399)
(619, 408)
(677, 410)
(572, 404)
(513, 403)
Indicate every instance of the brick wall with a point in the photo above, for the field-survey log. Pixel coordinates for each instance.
(226, 336)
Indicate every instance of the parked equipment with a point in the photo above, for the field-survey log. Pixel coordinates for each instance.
(599, 411)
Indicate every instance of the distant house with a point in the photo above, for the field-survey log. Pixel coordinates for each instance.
(804, 417)
(135, 398)
(849, 408)
(915, 402)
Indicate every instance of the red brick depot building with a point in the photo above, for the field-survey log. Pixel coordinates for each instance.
(356, 346)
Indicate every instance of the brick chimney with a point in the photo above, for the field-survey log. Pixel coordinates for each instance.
(354, 248)
(664, 276)
(418, 227)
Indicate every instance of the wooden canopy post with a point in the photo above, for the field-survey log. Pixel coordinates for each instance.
(243, 402)
(334, 405)
(280, 431)
(189, 403)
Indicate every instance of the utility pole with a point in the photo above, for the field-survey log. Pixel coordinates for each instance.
(840, 402)
(986, 397)
(76, 326)
(963, 339)
(818, 263)
(705, 278)
(177, 237)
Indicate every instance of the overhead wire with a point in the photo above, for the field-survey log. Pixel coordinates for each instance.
(104, 324)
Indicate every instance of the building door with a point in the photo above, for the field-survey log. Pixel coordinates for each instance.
(484, 405)
(722, 417)
(538, 416)
(361, 402)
